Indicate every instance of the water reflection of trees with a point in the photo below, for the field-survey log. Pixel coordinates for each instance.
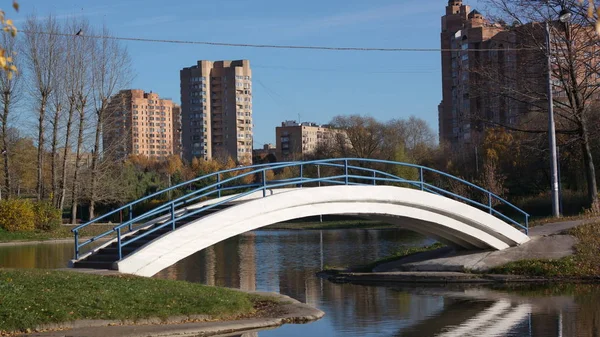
(44, 256)
(286, 262)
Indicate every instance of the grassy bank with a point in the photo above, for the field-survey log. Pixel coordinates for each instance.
(64, 232)
(29, 298)
(585, 263)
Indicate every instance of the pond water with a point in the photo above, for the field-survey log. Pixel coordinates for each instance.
(286, 262)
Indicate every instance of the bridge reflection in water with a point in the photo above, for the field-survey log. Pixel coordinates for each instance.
(286, 262)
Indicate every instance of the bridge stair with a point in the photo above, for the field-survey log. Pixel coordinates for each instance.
(104, 257)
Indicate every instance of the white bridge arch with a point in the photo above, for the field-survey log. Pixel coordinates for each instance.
(435, 216)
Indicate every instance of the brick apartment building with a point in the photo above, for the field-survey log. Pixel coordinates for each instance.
(496, 73)
(216, 109)
(140, 123)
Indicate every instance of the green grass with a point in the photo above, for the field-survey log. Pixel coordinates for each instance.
(64, 232)
(29, 298)
(585, 263)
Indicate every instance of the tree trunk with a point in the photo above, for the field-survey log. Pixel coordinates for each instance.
(40, 163)
(5, 143)
(590, 170)
(54, 174)
(63, 179)
(95, 162)
(75, 193)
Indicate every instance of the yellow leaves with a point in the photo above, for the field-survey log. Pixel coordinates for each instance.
(7, 25)
(498, 144)
(591, 10)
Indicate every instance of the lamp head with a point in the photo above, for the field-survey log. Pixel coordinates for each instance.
(564, 16)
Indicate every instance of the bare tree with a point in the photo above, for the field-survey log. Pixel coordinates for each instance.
(9, 87)
(80, 106)
(57, 106)
(364, 133)
(42, 55)
(76, 79)
(111, 71)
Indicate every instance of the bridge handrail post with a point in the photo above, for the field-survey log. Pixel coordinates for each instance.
(76, 233)
(319, 175)
(301, 175)
(264, 181)
(374, 178)
(219, 185)
(130, 217)
(527, 224)
(490, 202)
(119, 247)
(346, 171)
(421, 178)
(173, 214)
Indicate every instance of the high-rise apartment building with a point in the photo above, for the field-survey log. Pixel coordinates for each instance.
(464, 32)
(141, 123)
(177, 145)
(216, 110)
(294, 140)
(495, 74)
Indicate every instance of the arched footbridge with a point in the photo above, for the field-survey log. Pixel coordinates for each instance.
(201, 212)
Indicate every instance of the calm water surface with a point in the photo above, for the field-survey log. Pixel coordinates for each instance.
(286, 262)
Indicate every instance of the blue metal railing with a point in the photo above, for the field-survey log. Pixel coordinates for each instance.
(342, 171)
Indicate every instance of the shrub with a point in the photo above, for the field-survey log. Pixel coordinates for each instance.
(17, 215)
(47, 217)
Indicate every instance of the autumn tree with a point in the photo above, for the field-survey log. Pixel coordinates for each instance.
(9, 95)
(6, 52)
(573, 71)
(171, 165)
(23, 165)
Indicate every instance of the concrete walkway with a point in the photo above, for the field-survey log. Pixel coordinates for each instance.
(559, 226)
(546, 243)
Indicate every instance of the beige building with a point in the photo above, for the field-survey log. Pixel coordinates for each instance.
(216, 110)
(294, 140)
(141, 123)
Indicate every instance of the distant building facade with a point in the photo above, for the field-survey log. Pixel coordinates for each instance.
(494, 74)
(463, 32)
(140, 123)
(266, 150)
(294, 140)
(216, 110)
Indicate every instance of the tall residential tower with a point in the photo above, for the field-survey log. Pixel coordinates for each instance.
(141, 123)
(465, 98)
(216, 110)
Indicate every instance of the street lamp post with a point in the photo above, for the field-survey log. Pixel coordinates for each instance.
(564, 17)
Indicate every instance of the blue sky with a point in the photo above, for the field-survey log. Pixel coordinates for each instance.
(316, 85)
